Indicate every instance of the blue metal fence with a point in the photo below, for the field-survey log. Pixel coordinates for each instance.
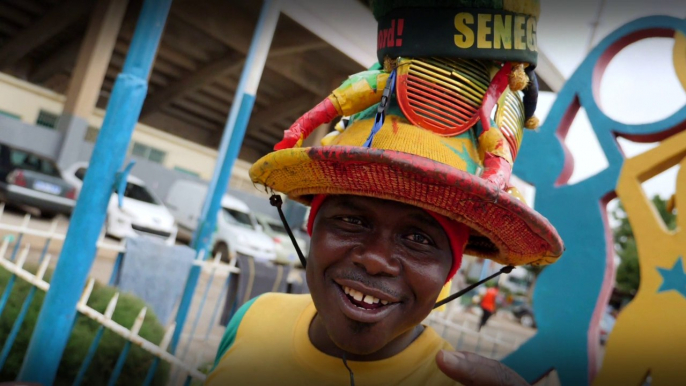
(213, 270)
(57, 317)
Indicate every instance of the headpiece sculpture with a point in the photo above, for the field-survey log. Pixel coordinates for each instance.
(420, 129)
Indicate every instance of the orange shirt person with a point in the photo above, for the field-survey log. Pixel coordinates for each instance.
(488, 305)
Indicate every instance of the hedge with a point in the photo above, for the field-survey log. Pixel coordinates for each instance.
(138, 361)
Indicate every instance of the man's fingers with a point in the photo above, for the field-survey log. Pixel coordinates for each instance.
(472, 369)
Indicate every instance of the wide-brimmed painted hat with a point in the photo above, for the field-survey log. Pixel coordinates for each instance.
(412, 157)
(419, 167)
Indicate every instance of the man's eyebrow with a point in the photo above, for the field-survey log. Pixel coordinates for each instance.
(345, 203)
(426, 220)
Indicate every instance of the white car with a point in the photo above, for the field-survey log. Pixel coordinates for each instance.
(285, 251)
(141, 213)
(237, 230)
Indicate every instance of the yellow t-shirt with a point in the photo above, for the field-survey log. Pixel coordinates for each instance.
(267, 343)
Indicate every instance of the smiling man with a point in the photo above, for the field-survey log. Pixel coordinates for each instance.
(397, 196)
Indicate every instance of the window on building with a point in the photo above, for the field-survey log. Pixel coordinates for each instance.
(156, 155)
(148, 152)
(47, 119)
(91, 134)
(186, 171)
(7, 114)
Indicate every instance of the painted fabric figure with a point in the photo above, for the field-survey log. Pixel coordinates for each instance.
(413, 181)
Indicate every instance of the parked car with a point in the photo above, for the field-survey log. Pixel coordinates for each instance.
(285, 251)
(237, 230)
(523, 312)
(141, 213)
(33, 180)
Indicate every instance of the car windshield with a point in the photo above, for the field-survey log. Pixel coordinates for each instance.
(32, 162)
(139, 193)
(237, 217)
(276, 227)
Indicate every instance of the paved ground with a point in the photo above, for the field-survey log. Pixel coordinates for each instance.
(498, 338)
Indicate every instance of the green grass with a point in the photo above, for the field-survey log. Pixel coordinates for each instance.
(137, 363)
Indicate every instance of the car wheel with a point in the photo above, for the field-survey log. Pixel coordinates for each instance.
(223, 249)
(48, 215)
(527, 320)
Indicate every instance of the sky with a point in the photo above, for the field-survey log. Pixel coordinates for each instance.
(639, 86)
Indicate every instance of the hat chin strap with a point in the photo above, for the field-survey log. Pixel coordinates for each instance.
(275, 201)
(456, 295)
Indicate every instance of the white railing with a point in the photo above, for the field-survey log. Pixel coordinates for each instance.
(105, 320)
(51, 233)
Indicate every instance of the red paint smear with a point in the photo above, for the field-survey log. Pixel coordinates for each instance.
(605, 290)
(498, 84)
(561, 134)
(395, 125)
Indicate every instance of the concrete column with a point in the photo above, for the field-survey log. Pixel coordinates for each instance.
(87, 77)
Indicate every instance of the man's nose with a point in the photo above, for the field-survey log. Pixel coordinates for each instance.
(376, 257)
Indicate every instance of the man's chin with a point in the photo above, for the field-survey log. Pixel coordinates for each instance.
(360, 339)
(359, 349)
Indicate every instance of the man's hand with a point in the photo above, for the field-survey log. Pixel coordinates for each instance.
(472, 369)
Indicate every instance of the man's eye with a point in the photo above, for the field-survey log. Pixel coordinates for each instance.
(351, 220)
(419, 238)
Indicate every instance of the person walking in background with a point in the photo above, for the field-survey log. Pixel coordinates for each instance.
(488, 304)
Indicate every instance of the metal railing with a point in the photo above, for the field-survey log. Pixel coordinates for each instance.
(105, 321)
(482, 343)
(213, 270)
(50, 234)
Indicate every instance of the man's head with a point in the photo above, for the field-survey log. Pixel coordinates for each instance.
(392, 252)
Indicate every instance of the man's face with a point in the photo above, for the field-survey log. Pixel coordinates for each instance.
(365, 250)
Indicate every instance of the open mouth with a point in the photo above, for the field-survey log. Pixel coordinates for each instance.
(362, 300)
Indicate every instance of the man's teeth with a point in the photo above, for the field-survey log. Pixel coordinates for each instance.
(360, 297)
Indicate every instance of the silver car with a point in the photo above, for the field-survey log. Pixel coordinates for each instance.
(28, 179)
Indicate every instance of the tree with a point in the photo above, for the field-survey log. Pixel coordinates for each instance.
(628, 272)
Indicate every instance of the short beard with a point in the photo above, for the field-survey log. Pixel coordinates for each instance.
(359, 327)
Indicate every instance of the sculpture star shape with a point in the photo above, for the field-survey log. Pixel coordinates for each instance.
(674, 278)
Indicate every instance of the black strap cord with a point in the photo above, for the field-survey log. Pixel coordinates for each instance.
(456, 295)
(276, 201)
(352, 376)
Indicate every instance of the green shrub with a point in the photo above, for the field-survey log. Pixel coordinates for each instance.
(137, 363)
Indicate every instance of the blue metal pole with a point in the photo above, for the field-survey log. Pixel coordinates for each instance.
(16, 247)
(9, 342)
(115, 270)
(120, 364)
(232, 139)
(52, 332)
(151, 372)
(89, 356)
(6, 294)
(197, 315)
(216, 307)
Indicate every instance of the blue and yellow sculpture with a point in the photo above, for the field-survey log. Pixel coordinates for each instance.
(571, 295)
